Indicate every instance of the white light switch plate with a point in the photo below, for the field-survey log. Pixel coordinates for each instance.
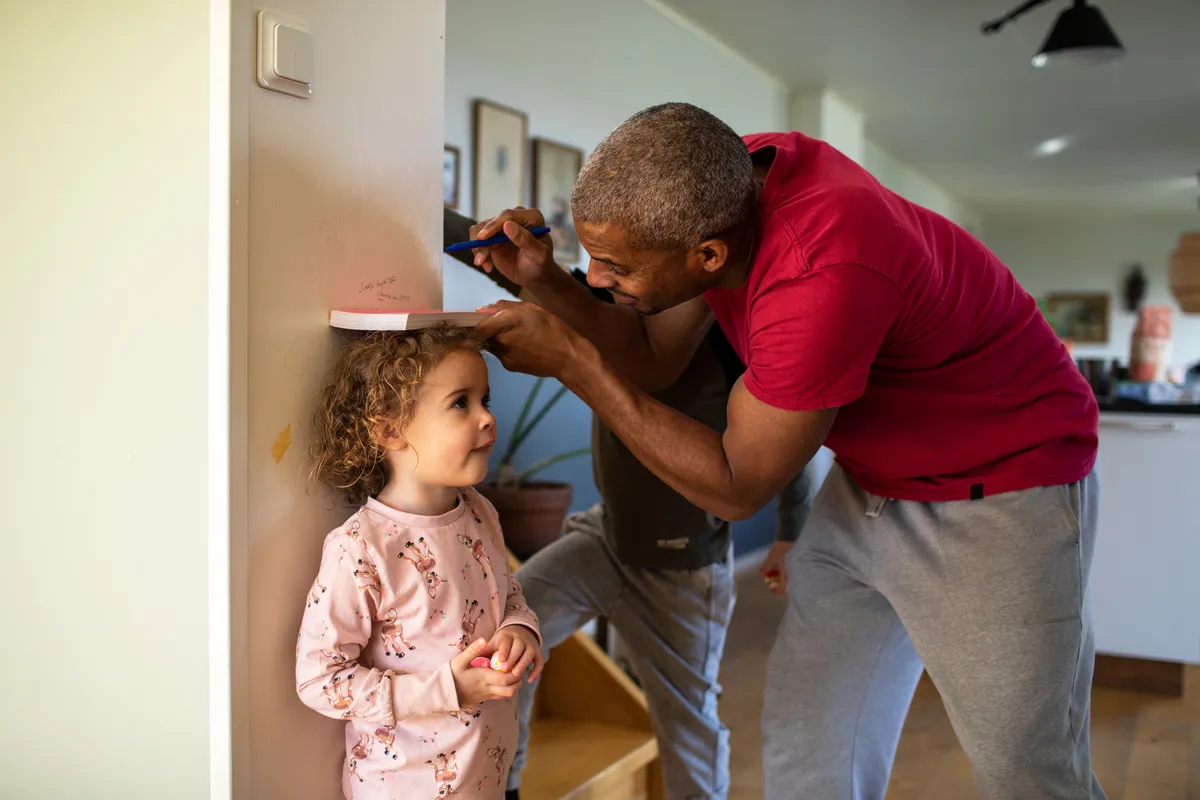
(285, 55)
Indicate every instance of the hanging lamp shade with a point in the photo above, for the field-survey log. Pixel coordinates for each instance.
(1184, 273)
(1081, 33)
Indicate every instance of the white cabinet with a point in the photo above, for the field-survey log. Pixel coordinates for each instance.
(1145, 580)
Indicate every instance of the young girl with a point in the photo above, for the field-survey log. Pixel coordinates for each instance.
(415, 585)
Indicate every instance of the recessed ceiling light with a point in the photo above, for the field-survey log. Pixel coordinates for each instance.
(1053, 146)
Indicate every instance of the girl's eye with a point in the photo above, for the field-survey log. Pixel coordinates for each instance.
(487, 401)
(460, 403)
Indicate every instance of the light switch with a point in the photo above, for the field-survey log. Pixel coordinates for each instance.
(285, 55)
(293, 54)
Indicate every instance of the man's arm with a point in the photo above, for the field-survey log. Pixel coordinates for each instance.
(650, 366)
(651, 351)
(732, 475)
(811, 350)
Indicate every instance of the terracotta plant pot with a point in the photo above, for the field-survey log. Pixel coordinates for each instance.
(531, 515)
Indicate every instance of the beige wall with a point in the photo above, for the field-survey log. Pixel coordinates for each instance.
(907, 182)
(104, 318)
(331, 193)
(1093, 253)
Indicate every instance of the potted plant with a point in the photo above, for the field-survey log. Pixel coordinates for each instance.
(531, 512)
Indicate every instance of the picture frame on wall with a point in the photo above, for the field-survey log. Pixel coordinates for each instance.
(451, 156)
(1081, 317)
(555, 168)
(499, 158)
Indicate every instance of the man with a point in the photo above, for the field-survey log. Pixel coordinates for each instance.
(957, 528)
(658, 567)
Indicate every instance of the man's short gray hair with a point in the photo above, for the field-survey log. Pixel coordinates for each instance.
(670, 176)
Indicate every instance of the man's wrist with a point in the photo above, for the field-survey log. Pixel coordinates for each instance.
(550, 280)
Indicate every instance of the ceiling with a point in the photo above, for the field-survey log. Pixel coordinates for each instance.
(968, 110)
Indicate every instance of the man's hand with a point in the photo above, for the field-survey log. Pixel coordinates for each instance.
(518, 647)
(526, 260)
(527, 338)
(774, 570)
(476, 685)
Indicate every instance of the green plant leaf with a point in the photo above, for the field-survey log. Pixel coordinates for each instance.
(513, 443)
(550, 461)
(522, 435)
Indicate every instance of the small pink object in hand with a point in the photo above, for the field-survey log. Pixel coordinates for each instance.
(495, 663)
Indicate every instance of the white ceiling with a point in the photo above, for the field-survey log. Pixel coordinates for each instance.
(968, 110)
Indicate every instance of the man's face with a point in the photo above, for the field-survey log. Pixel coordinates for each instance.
(649, 281)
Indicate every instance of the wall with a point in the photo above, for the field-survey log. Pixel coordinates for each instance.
(578, 70)
(332, 194)
(1080, 254)
(106, 318)
(904, 180)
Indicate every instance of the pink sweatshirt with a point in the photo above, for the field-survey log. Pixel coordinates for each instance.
(397, 596)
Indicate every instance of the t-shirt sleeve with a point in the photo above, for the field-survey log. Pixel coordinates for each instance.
(812, 337)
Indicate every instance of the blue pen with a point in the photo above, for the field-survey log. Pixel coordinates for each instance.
(500, 239)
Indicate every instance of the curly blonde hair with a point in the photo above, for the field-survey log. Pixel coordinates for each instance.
(371, 395)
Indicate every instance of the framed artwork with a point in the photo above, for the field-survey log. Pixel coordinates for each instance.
(1082, 318)
(499, 158)
(555, 168)
(450, 176)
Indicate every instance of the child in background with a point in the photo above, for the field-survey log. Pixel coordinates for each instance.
(415, 585)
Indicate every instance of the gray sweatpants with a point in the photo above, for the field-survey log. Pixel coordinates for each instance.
(673, 623)
(990, 594)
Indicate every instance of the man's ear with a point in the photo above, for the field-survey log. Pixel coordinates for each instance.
(710, 255)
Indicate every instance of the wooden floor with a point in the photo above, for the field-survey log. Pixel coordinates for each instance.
(1143, 747)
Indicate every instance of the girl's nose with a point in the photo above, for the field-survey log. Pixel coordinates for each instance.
(487, 420)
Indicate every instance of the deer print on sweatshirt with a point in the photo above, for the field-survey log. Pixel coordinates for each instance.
(445, 772)
(392, 633)
(386, 736)
(477, 551)
(314, 594)
(340, 693)
(499, 757)
(466, 716)
(421, 557)
(360, 752)
(368, 576)
(470, 619)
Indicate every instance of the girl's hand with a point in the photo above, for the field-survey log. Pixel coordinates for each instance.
(774, 568)
(518, 647)
(476, 685)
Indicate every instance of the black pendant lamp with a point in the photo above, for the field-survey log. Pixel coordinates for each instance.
(1081, 34)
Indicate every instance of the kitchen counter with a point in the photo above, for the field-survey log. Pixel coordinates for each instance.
(1125, 406)
(1145, 593)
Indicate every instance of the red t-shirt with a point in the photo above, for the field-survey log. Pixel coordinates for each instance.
(951, 383)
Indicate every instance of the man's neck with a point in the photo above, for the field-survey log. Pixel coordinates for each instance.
(743, 248)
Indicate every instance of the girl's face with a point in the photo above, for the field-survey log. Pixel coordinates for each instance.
(448, 441)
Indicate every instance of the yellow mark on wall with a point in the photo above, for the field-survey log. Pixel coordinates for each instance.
(282, 442)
